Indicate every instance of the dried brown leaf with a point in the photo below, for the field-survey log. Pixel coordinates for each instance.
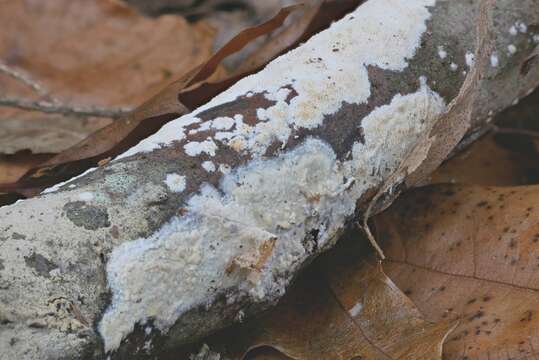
(486, 162)
(470, 253)
(98, 53)
(13, 166)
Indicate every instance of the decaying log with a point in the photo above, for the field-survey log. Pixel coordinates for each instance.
(208, 220)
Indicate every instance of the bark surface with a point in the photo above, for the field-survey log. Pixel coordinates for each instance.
(211, 218)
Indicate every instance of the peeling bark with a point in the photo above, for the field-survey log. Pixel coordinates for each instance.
(210, 219)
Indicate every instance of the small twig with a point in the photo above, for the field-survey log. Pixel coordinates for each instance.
(370, 236)
(27, 80)
(514, 131)
(55, 108)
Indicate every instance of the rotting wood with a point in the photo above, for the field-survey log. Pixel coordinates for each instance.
(142, 246)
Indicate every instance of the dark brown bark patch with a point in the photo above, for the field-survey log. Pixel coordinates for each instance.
(243, 105)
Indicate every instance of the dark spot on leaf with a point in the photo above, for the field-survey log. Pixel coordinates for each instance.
(166, 73)
(479, 314)
(527, 316)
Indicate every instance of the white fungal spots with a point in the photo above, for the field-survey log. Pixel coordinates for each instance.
(453, 67)
(219, 123)
(224, 168)
(175, 183)
(85, 196)
(512, 49)
(195, 148)
(536, 38)
(209, 166)
(273, 203)
(147, 346)
(240, 316)
(494, 60)
(513, 30)
(441, 52)
(222, 123)
(279, 95)
(469, 58)
(522, 27)
(356, 309)
(518, 27)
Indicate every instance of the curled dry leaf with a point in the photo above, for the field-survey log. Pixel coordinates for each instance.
(470, 253)
(344, 307)
(191, 90)
(87, 53)
(15, 165)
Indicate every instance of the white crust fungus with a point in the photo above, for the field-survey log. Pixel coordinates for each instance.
(248, 233)
(175, 183)
(209, 166)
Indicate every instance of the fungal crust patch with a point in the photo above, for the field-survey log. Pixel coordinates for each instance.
(279, 200)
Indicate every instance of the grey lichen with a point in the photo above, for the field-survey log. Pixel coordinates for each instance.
(87, 216)
(40, 264)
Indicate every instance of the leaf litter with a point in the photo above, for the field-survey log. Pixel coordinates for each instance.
(459, 278)
(192, 89)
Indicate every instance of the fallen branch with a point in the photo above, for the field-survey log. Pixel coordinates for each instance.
(209, 219)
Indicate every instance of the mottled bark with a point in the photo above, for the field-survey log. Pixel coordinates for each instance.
(171, 242)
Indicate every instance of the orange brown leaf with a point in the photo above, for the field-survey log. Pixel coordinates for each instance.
(470, 253)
